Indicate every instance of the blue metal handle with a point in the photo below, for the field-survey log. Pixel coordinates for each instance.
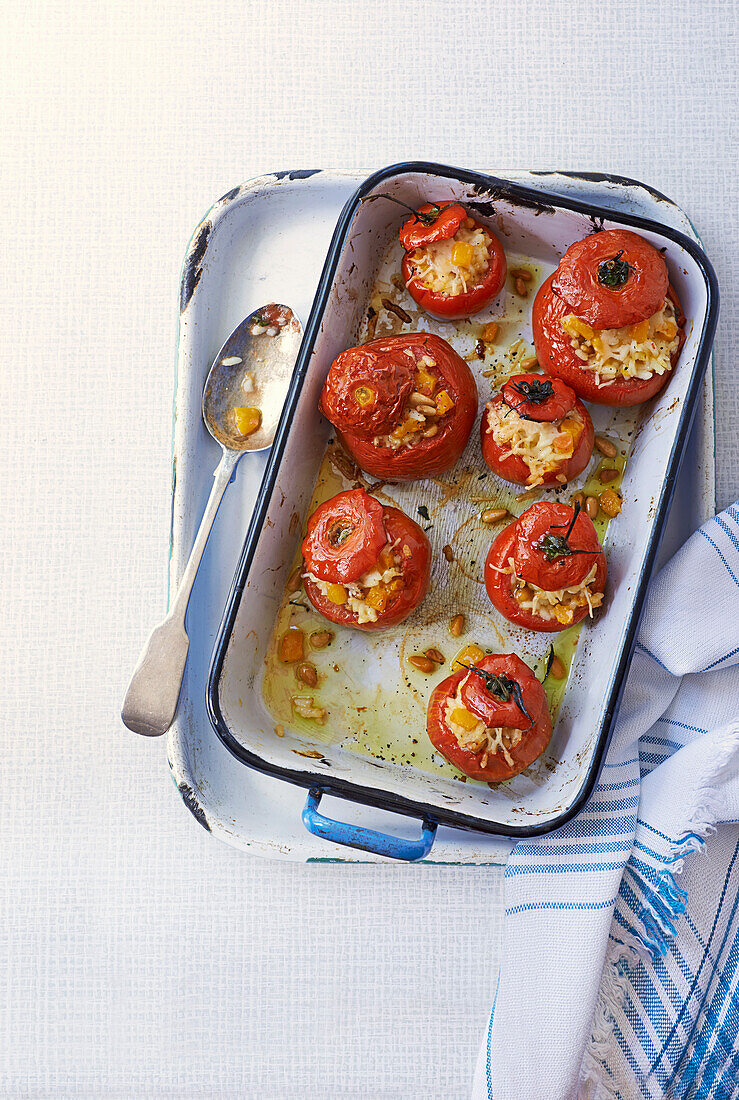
(367, 840)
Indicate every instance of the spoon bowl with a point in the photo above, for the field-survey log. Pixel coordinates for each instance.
(252, 370)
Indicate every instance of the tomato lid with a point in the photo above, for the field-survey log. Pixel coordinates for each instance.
(368, 387)
(612, 279)
(555, 545)
(345, 536)
(431, 222)
(538, 397)
(495, 691)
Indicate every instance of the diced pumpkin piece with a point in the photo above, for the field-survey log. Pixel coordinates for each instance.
(336, 593)
(563, 443)
(444, 403)
(460, 716)
(377, 597)
(247, 419)
(291, 645)
(468, 655)
(462, 254)
(575, 327)
(425, 381)
(640, 331)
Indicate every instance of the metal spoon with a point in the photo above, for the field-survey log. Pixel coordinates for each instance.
(252, 369)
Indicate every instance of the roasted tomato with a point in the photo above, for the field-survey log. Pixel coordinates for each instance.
(490, 720)
(403, 406)
(453, 265)
(607, 321)
(366, 565)
(546, 570)
(536, 431)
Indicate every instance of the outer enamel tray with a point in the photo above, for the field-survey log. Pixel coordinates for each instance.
(244, 253)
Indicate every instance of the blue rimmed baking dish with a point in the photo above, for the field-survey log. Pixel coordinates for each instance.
(540, 226)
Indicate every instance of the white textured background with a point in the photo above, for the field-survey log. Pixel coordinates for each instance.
(139, 957)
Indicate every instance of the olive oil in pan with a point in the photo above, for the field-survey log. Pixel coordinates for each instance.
(368, 698)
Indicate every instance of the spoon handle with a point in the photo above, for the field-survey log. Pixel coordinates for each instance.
(151, 700)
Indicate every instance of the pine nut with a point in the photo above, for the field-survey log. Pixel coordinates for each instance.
(423, 664)
(319, 639)
(610, 450)
(431, 432)
(492, 515)
(417, 399)
(608, 474)
(592, 507)
(294, 581)
(522, 273)
(448, 552)
(434, 655)
(577, 498)
(561, 478)
(529, 363)
(521, 288)
(307, 674)
(456, 626)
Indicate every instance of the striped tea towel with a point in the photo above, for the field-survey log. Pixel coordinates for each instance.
(620, 963)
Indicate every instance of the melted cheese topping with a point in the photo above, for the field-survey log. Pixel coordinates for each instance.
(436, 268)
(636, 351)
(534, 441)
(554, 603)
(357, 591)
(481, 738)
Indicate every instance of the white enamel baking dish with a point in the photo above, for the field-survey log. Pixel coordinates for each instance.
(541, 226)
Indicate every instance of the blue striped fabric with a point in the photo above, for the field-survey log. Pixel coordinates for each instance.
(620, 972)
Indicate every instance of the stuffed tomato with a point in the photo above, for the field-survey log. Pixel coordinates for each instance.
(403, 406)
(491, 720)
(607, 322)
(546, 570)
(536, 431)
(453, 265)
(366, 565)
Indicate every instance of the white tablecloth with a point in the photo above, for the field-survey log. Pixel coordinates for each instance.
(138, 956)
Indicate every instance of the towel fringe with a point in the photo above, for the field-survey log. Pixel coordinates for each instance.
(665, 902)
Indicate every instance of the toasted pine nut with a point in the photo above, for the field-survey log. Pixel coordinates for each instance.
(456, 626)
(592, 507)
(608, 474)
(561, 478)
(610, 450)
(280, 730)
(528, 495)
(431, 432)
(434, 655)
(521, 288)
(319, 639)
(557, 670)
(294, 581)
(492, 515)
(522, 273)
(578, 498)
(307, 674)
(423, 664)
(529, 363)
(448, 552)
(417, 399)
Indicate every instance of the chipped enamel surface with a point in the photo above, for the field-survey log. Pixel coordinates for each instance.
(242, 806)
